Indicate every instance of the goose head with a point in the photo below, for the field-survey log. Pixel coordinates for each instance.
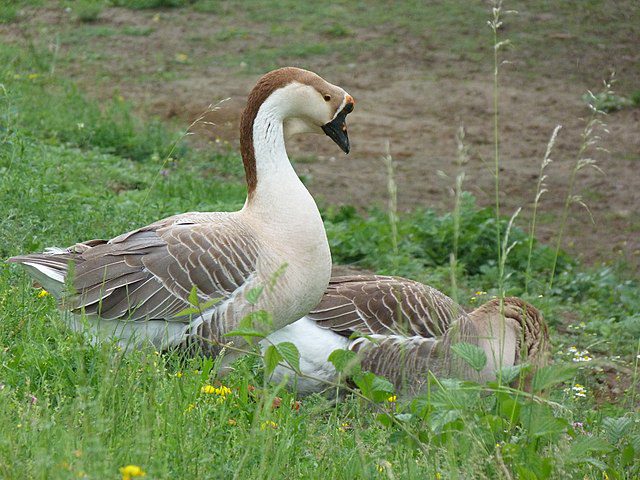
(304, 102)
(512, 333)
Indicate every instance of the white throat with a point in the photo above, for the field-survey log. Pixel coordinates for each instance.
(272, 161)
(278, 191)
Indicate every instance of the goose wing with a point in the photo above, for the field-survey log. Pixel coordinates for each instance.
(149, 273)
(375, 304)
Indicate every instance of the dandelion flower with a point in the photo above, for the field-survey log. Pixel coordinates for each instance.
(43, 293)
(131, 471)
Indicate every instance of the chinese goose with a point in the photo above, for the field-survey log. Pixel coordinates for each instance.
(133, 286)
(409, 330)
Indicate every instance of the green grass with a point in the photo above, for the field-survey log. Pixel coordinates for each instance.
(72, 410)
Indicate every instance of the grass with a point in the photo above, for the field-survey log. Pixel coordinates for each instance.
(70, 409)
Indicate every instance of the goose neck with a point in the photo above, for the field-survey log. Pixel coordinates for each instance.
(264, 154)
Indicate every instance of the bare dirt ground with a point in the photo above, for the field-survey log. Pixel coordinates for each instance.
(413, 93)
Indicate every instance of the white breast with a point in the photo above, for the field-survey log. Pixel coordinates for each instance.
(315, 345)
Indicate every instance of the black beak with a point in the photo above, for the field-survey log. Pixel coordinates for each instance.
(336, 129)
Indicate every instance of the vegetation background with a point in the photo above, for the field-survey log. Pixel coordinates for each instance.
(95, 100)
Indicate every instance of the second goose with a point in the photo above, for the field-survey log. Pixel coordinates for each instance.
(409, 330)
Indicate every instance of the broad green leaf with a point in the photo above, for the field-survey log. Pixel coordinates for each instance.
(258, 320)
(245, 332)
(471, 354)
(551, 375)
(583, 446)
(441, 418)
(188, 311)
(345, 361)
(197, 310)
(289, 352)
(509, 373)
(628, 454)
(271, 359)
(404, 417)
(544, 426)
(384, 419)
(509, 408)
(539, 421)
(373, 387)
(193, 296)
(209, 303)
(254, 294)
(616, 428)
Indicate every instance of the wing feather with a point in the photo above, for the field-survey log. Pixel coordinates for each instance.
(149, 273)
(374, 304)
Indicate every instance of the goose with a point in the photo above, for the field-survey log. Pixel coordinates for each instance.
(271, 255)
(408, 330)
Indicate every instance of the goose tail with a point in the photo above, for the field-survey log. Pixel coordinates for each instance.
(48, 269)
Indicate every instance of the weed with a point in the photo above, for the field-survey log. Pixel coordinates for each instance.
(87, 10)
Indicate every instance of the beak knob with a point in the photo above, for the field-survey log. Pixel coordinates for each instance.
(336, 129)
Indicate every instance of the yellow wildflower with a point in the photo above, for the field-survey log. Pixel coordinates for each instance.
(181, 57)
(179, 374)
(190, 407)
(438, 476)
(344, 426)
(131, 471)
(222, 391)
(392, 399)
(43, 293)
(383, 465)
(268, 424)
(208, 389)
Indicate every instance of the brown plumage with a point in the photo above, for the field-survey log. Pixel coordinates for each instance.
(404, 330)
(509, 332)
(376, 304)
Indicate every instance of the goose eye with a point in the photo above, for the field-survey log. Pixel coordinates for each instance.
(327, 98)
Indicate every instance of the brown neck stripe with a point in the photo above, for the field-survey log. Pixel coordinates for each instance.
(265, 87)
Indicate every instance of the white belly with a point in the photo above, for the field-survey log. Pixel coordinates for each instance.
(315, 344)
